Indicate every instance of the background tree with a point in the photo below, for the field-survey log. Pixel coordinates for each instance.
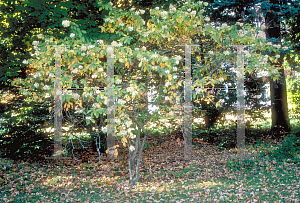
(282, 13)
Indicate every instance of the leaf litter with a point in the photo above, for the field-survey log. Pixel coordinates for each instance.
(165, 177)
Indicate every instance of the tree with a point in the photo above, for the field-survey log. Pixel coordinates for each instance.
(139, 55)
(285, 14)
(280, 120)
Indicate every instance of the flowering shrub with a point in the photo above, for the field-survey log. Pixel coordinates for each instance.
(140, 61)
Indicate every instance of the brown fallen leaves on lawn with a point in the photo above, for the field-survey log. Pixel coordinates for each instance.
(162, 168)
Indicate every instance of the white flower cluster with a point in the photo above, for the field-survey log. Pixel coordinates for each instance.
(144, 59)
(25, 61)
(164, 14)
(165, 58)
(198, 90)
(88, 95)
(224, 26)
(97, 91)
(240, 24)
(130, 28)
(128, 123)
(155, 55)
(72, 35)
(40, 35)
(177, 58)
(285, 48)
(247, 54)
(46, 87)
(277, 46)
(35, 43)
(172, 9)
(25, 93)
(207, 19)
(130, 89)
(226, 53)
(99, 41)
(164, 27)
(104, 129)
(96, 105)
(146, 34)
(83, 48)
(122, 102)
(114, 43)
(91, 46)
(65, 23)
(37, 75)
(76, 96)
(75, 71)
(117, 120)
(118, 81)
(131, 148)
(109, 20)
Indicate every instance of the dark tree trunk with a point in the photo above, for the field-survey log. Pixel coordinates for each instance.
(280, 120)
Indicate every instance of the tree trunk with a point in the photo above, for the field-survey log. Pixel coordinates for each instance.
(280, 120)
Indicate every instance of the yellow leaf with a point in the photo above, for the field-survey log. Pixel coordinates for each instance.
(140, 64)
(124, 141)
(145, 69)
(127, 65)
